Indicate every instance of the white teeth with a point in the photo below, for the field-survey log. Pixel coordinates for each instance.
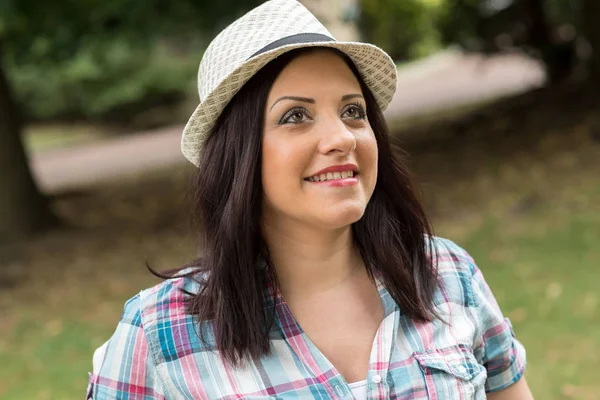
(331, 176)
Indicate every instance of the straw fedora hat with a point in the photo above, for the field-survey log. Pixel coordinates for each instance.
(255, 39)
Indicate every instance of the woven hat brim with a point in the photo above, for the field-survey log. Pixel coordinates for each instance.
(375, 66)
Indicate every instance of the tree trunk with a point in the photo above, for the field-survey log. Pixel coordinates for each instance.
(559, 58)
(23, 209)
(591, 28)
(538, 23)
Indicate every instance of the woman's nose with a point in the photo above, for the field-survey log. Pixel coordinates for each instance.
(336, 138)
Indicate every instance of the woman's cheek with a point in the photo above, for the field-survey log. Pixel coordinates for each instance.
(369, 158)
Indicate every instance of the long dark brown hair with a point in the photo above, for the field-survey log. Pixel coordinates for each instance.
(392, 236)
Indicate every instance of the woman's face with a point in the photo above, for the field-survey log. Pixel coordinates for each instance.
(319, 164)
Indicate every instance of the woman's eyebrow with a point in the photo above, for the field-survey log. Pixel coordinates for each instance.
(351, 96)
(296, 98)
(345, 97)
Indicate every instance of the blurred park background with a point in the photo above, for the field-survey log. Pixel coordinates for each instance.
(497, 105)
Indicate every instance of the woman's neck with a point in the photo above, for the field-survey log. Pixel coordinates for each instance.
(310, 261)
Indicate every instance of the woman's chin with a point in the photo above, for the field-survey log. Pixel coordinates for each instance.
(341, 217)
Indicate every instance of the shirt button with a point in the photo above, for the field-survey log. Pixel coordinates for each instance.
(376, 378)
(462, 369)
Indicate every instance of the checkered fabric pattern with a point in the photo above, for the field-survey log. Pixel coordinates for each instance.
(230, 61)
(155, 352)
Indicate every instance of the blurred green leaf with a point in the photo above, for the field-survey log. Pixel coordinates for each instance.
(404, 28)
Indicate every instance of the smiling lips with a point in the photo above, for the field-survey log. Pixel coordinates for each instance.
(336, 175)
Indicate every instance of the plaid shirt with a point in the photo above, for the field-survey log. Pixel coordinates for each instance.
(155, 352)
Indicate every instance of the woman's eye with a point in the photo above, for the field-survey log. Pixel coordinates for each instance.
(294, 117)
(354, 112)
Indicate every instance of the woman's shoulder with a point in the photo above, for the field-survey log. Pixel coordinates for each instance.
(465, 295)
(162, 314)
(165, 300)
(450, 257)
(456, 270)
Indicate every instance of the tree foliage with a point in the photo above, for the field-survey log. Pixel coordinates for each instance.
(406, 29)
(58, 28)
(555, 31)
(106, 59)
(546, 29)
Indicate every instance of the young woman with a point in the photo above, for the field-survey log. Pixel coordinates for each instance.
(320, 277)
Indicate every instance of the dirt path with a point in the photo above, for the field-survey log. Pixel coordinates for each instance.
(458, 80)
(444, 81)
(85, 165)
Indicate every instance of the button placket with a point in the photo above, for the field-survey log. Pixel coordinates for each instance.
(381, 355)
(341, 388)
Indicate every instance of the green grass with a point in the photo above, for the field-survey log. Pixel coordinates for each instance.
(48, 136)
(48, 365)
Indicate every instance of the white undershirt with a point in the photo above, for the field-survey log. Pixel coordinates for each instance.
(359, 390)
